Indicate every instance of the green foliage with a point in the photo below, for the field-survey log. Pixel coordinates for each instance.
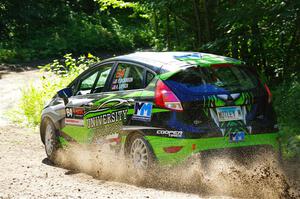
(105, 4)
(287, 106)
(57, 75)
(70, 67)
(7, 54)
(34, 97)
(43, 29)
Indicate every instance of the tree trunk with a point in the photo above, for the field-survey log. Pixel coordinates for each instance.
(155, 21)
(168, 30)
(244, 46)
(288, 67)
(197, 18)
(259, 49)
(206, 21)
(176, 32)
(235, 47)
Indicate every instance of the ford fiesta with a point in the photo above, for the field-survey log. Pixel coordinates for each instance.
(162, 107)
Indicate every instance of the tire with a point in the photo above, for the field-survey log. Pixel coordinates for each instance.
(140, 153)
(51, 143)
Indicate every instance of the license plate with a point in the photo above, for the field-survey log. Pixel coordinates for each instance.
(237, 136)
(229, 113)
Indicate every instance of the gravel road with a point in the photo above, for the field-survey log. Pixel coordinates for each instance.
(26, 173)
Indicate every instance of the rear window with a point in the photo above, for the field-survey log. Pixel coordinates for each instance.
(232, 78)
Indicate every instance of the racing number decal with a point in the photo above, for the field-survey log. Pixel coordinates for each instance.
(72, 118)
(69, 112)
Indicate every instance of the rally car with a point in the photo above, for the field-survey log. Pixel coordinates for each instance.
(162, 107)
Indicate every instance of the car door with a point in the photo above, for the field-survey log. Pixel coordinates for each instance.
(110, 114)
(87, 89)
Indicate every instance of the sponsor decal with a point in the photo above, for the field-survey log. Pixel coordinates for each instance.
(237, 137)
(69, 112)
(115, 87)
(123, 86)
(75, 122)
(123, 80)
(119, 86)
(170, 133)
(76, 112)
(121, 83)
(142, 111)
(107, 118)
(79, 111)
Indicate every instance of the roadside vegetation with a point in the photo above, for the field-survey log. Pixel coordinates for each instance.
(264, 34)
(56, 75)
(287, 106)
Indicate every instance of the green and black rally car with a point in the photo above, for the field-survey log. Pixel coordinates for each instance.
(162, 107)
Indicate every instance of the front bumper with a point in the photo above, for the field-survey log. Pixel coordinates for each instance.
(192, 146)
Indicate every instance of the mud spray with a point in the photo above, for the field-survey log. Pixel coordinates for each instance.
(246, 176)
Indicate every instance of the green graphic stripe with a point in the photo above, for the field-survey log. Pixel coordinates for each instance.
(94, 114)
(133, 94)
(245, 98)
(207, 60)
(160, 110)
(79, 134)
(154, 110)
(85, 135)
(167, 75)
(142, 93)
(158, 143)
(63, 142)
(99, 102)
(130, 112)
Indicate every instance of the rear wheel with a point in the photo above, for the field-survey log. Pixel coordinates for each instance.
(140, 152)
(51, 144)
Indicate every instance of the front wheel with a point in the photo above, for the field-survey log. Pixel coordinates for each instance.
(51, 144)
(140, 153)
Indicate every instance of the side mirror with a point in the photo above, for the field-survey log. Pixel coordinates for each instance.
(65, 94)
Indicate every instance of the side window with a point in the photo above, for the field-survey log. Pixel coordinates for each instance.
(94, 82)
(149, 77)
(87, 83)
(103, 75)
(128, 77)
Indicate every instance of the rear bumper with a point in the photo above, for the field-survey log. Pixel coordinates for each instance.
(192, 146)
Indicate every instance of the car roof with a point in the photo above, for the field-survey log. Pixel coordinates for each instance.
(172, 61)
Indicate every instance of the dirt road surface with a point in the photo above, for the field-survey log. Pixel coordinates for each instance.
(26, 173)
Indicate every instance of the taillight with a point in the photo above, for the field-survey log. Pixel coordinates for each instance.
(172, 149)
(165, 98)
(269, 93)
